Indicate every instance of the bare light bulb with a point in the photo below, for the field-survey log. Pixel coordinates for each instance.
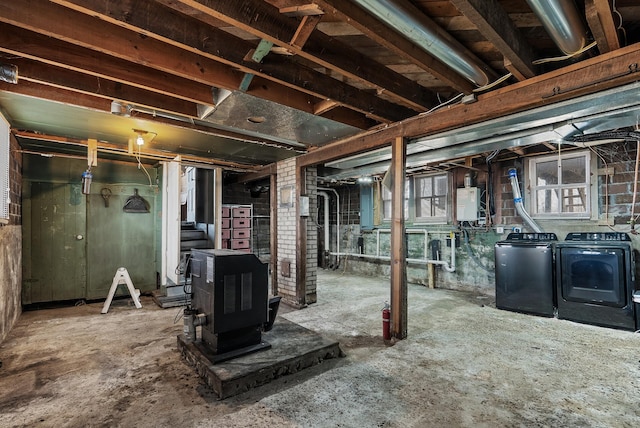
(140, 140)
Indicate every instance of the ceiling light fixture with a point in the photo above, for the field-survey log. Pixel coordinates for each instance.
(139, 138)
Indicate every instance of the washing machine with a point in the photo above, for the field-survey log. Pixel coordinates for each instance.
(596, 279)
(524, 268)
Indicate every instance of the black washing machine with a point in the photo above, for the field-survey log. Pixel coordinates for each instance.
(525, 280)
(596, 279)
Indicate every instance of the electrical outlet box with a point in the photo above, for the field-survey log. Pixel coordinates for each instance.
(467, 204)
(304, 206)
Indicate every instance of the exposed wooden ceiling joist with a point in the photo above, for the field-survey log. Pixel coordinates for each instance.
(589, 76)
(494, 24)
(265, 22)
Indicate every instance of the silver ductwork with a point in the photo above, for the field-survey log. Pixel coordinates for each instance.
(8, 73)
(563, 23)
(517, 199)
(436, 43)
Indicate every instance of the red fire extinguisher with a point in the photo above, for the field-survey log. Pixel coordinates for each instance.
(386, 321)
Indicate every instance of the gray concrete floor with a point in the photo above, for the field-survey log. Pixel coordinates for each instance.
(464, 363)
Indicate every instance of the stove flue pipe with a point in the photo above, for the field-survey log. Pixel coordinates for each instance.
(517, 199)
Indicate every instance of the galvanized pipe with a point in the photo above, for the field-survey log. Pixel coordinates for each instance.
(563, 23)
(517, 200)
(403, 20)
(8, 73)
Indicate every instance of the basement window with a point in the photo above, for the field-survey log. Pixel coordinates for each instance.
(426, 199)
(431, 197)
(386, 201)
(4, 170)
(560, 185)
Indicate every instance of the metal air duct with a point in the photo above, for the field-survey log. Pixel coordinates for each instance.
(404, 20)
(562, 21)
(8, 73)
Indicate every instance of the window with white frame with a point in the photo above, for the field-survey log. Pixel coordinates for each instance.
(4, 170)
(560, 185)
(386, 201)
(431, 194)
(426, 198)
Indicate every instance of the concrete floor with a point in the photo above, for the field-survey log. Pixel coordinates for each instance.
(464, 363)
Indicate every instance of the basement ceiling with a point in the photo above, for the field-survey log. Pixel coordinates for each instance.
(242, 84)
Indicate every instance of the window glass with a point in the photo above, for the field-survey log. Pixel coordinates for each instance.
(431, 197)
(561, 191)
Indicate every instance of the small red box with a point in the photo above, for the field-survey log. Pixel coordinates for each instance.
(226, 212)
(226, 234)
(225, 244)
(226, 223)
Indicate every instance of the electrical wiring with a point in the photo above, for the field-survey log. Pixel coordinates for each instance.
(565, 57)
(460, 95)
(493, 84)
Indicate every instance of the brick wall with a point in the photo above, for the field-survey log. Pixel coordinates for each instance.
(312, 237)
(287, 235)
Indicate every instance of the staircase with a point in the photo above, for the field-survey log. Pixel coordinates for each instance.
(174, 295)
(190, 237)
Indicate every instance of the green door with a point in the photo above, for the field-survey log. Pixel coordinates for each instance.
(116, 238)
(54, 242)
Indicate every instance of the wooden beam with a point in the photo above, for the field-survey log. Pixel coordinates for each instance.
(305, 29)
(496, 26)
(58, 77)
(61, 95)
(600, 20)
(399, 313)
(310, 9)
(230, 50)
(380, 33)
(24, 43)
(119, 149)
(324, 106)
(265, 21)
(75, 28)
(586, 77)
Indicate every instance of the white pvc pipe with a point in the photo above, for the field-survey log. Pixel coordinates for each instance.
(449, 267)
(337, 217)
(325, 195)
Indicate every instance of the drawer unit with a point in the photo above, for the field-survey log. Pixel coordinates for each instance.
(241, 212)
(241, 233)
(237, 244)
(241, 223)
(237, 222)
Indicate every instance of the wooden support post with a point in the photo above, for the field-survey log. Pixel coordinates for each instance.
(432, 275)
(273, 229)
(398, 253)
